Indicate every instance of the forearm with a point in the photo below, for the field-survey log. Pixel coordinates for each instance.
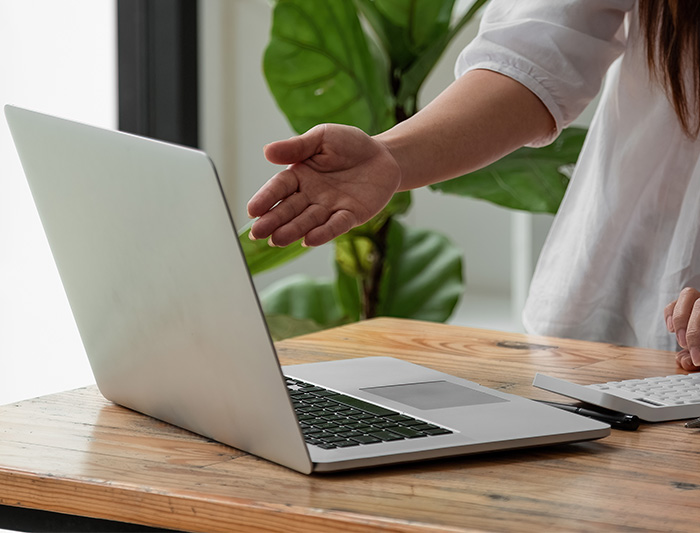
(477, 120)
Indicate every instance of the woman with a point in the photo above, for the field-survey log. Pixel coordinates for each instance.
(625, 239)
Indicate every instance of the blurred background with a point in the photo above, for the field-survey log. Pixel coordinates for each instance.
(190, 72)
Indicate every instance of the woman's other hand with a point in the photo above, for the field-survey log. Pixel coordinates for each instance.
(682, 317)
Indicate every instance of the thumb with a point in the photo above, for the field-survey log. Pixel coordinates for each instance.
(295, 149)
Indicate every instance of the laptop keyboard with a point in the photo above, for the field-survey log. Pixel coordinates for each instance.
(329, 419)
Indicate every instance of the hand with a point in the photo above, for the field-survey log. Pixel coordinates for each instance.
(337, 178)
(683, 318)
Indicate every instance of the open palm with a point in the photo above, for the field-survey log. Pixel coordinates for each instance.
(337, 178)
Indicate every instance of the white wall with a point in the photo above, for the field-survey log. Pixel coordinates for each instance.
(59, 58)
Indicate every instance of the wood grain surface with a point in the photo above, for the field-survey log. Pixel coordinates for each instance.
(77, 453)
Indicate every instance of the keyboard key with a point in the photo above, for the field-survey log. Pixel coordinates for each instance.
(350, 433)
(399, 418)
(332, 417)
(424, 426)
(414, 422)
(332, 440)
(324, 404)
(327, 425)
(355, 424)
(346, 443)
(407, 432)
(362, 405)
(311, 388)
(438, 431)
(385, 435)
(365, 439)
(361, 416)
(385, 424)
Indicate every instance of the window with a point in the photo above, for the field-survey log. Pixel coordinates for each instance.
(58, 58)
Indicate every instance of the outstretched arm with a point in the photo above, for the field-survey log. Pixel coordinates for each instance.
(338, 178)
(480, 118)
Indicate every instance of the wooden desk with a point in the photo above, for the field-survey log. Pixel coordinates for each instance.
(77, 453)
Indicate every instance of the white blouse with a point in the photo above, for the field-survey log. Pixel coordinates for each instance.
(625, 240)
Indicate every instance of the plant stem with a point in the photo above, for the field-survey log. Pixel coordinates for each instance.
(371, 285)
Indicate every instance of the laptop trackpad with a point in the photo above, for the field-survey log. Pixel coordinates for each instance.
(433, 395)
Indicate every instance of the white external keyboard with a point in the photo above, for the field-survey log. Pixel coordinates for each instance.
(655, 399)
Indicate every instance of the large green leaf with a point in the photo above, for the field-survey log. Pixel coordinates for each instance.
(530, 179)
(321, 67)
(303, 298)
(260, 256)
(422, 276)
(404, 28)
(414, 35)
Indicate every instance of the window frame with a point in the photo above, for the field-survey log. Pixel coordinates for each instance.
(157, 65)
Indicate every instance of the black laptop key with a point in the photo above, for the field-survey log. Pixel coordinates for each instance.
(349, 433)
(408, 432)
(332, 418)
(424, 426)
(361, 416)
(400, 418)
(324, 404)
(385, 435)
(311, 388)
(365, 439)
(328, 426)
(437, 431)
(332, 440)
(346, 443)
(356, 403)
(385, 424)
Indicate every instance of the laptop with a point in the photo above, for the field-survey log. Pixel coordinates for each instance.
(172, 326)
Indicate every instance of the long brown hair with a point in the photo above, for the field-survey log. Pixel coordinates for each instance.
(672, 32)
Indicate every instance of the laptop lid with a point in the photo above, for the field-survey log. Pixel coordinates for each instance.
(159, 288)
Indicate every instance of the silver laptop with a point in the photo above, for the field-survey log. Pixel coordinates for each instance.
(150, 261)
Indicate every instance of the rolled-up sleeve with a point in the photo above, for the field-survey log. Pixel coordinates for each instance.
(559, 49)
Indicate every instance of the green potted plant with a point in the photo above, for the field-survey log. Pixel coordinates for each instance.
(363, 62)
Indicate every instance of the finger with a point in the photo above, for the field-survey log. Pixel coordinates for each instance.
(681, 313)
(684, 361)
(668, 315)
(279, 187)
(692, 334)
(280, 215)
(312, 217)
(296, 149)
(339, 222)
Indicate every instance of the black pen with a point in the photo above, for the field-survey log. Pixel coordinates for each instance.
(616, 420)
(693, 423)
